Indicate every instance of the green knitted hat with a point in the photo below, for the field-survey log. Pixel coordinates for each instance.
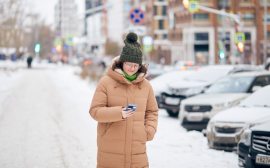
(132, 51)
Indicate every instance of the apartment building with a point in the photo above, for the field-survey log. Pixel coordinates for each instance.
(63, 10)
(156, 23)
(194, 36)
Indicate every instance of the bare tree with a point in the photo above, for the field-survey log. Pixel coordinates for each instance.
(13, 19)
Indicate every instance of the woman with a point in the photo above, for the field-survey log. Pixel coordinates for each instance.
(122, 134)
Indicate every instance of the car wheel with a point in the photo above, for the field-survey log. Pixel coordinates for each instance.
(172, 114)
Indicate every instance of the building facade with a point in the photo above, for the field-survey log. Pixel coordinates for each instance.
(63, 11)
(195, 36)
(156, 22)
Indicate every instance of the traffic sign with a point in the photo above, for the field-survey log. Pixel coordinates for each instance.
(69, 40)
(57, 42)
(136, 16)
(220, 45)
(239, 37)
(147, 40)
(147, 48)
(65, 46)
(193, 6)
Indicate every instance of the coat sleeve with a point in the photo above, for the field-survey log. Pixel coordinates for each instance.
(151, 116)
(99, 109)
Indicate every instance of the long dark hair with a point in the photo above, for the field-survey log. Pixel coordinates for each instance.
(118, 64)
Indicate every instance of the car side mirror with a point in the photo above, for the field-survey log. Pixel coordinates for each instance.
(255, 88)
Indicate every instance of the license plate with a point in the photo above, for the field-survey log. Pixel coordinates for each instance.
(195, 117)
(263, 159)
(172, 101)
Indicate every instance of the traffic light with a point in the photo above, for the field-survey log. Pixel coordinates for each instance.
(37, 48)
(58, 48)
(240, 46)
(186, 3)
(221, 54)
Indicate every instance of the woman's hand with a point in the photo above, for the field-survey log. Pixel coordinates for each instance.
(128, 113)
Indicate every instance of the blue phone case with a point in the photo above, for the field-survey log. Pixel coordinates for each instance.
(131, 106)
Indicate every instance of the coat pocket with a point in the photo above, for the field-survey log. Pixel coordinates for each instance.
(107, 126)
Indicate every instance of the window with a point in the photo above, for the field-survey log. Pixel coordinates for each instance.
(261, 81)
(247, 35)
(161, 25)
(201, 16)
(164, 37)
(248, 16)
(244, 1)
(156, 36)
(224, 4)
(268, 35)
(267, 17)
(164, 10)
(262, 2)
(227, 36)
(231, 85)
(155, 10)
(201, 36)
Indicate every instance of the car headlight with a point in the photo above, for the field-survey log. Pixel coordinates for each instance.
(194, 91)
(223, 105)
(210, 125)
(246, 137)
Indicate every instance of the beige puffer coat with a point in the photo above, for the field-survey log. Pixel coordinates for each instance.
(121, 142)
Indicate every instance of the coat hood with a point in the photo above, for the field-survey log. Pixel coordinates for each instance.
(119, 76)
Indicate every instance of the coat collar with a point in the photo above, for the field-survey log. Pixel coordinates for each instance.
(119, 76)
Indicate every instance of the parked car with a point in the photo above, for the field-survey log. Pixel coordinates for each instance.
(227, 92)
(153, 70)
(160, 83)
(195, 84)
(186, 65)
(254, 147)
(225, 129)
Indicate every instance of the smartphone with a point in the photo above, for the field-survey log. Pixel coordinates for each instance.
(131, 106)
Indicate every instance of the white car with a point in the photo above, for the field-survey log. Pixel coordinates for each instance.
(160, 83)
(225, 129)
(227, 92)
(195, 84)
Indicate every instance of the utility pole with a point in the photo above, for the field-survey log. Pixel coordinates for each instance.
(36, 35)
(265, 32)
(223, 37)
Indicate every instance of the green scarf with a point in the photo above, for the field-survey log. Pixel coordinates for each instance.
(130, 78)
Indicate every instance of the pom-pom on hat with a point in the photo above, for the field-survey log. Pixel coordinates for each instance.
(132, 51)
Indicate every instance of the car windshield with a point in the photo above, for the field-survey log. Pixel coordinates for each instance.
(239, 84)
(208, 74)
(260, 98)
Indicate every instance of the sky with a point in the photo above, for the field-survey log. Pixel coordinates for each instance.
(46, 8)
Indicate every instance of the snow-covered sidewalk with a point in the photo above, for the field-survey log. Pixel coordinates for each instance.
(45, 123)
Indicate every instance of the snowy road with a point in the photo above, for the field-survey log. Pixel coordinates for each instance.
(44, 122)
